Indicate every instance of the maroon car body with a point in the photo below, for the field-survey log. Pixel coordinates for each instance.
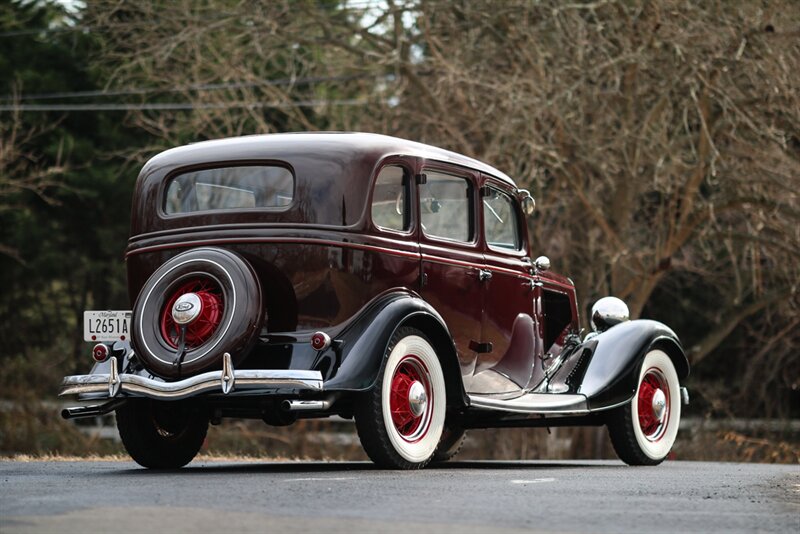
(356, 239)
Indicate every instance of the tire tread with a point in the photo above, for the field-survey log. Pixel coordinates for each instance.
(620, 430)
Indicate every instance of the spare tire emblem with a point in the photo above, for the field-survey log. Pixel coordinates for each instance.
(187, 308)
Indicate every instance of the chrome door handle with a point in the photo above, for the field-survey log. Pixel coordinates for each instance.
(484, 275)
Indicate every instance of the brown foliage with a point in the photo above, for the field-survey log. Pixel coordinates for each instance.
(660, 138)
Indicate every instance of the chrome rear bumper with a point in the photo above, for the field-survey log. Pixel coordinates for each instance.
(225, 382)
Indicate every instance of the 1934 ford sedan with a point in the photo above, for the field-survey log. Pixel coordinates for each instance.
(292, 276)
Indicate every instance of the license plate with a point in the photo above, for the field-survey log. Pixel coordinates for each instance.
(106, 325)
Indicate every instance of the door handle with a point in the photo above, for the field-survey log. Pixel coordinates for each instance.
(484, 275)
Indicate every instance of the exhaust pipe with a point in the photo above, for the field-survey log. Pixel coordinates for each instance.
(93, 410)
(306, 405)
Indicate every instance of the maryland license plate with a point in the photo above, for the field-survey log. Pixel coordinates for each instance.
(106, 325)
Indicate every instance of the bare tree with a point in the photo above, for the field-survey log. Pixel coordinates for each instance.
(21, 169)
(660, 138)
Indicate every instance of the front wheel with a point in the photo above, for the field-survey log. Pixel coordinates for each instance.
(644, 430)
(161, 435)
(400, 420)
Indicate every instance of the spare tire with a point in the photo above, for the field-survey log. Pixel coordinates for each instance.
(225, 309)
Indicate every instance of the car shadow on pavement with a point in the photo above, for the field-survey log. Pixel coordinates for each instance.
(306, 467)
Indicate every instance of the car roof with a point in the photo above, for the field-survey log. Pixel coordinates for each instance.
(333, 144)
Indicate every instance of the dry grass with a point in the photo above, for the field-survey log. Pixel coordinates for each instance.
(34, 432)
(202, 457)
(47, 457)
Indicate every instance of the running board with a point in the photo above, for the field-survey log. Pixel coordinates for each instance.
(533, 403)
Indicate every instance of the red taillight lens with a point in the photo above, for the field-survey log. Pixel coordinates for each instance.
(320, 341)
(100, 353)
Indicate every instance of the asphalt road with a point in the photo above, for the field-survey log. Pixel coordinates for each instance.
(464, 497)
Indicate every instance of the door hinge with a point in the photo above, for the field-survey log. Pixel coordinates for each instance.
(423, 280)
(532, 284)
(422, 178)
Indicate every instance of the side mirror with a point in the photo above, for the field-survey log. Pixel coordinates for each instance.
(528, 204)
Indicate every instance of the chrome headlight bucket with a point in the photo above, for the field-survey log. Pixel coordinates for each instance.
(607, 312)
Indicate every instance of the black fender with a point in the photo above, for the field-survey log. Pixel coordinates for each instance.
(617, 354)
(365, 340)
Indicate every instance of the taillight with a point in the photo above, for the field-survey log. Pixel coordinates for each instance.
(320, 341)
(100, 353)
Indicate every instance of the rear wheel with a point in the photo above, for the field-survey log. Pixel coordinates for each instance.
(450, 444)
(161, 435)
(644, 430)
(400, 421)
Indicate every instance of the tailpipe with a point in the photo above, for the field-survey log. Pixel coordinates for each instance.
(306, 405)
(93, 410)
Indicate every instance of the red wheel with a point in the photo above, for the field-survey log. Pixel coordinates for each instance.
(409, 399)
(653, 404)
(200, 330)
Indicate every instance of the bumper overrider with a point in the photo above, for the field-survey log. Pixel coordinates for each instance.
(228, 381)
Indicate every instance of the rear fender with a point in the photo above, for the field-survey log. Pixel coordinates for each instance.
(364, 343)
(612, 374)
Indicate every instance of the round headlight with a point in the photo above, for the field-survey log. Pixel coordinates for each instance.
(607, 312)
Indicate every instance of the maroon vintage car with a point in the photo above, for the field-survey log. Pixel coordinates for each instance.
(290, 276)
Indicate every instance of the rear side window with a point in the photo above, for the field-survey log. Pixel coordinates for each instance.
(390, 200)
(230, 188)
(446, 206)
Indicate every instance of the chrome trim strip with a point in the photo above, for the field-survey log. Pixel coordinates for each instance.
(247, 382)
(546, 403)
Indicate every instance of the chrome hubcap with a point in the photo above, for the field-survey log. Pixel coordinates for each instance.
(187, 308)
(659, 404)
(417, 398)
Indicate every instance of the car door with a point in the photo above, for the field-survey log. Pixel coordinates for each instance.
(508, 326)
(451, 262)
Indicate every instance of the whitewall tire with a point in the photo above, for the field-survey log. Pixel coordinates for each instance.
(400, 421)
(643, 431)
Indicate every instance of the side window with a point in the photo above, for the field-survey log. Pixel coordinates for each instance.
(390, 201)
(446, 206)
(500, 220)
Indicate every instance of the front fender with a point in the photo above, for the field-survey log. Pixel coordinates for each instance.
(613, 371)
(364, 343)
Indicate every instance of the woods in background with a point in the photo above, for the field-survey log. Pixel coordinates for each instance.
(660, 140)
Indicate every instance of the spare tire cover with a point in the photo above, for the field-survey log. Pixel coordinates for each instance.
(229, 318)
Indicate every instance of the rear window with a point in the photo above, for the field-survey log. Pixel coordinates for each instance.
(230, 188)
